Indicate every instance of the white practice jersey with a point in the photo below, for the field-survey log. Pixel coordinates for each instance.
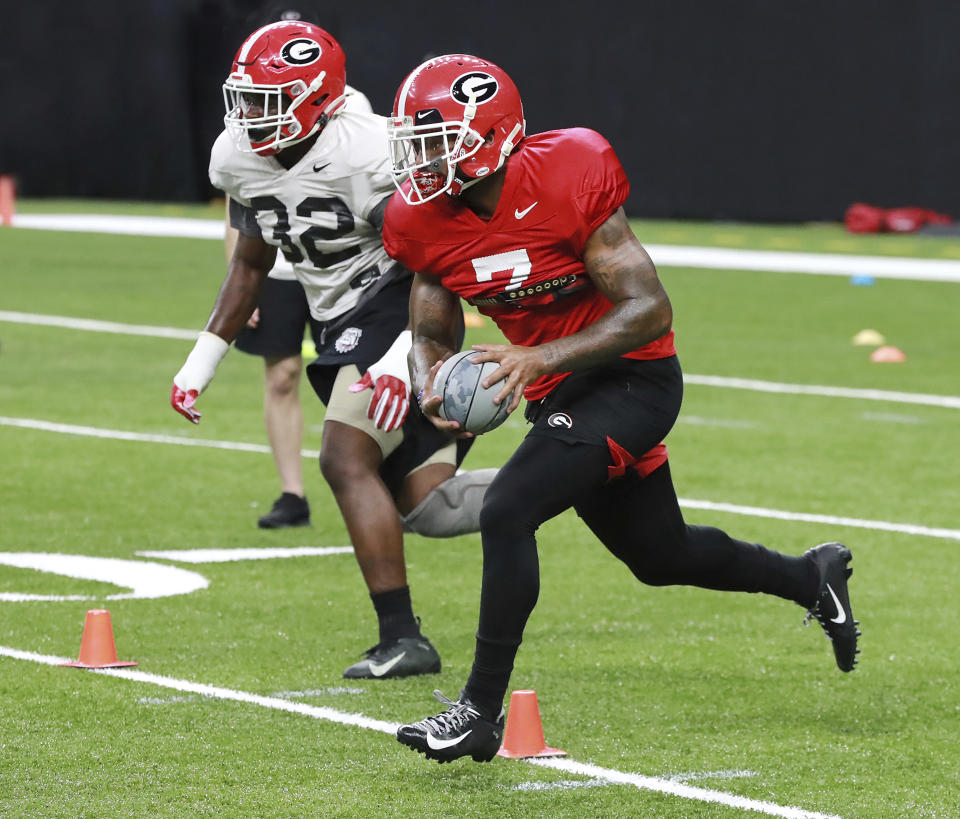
(354, 100)
(318, 212)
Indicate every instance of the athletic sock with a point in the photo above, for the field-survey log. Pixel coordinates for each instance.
(395, 614)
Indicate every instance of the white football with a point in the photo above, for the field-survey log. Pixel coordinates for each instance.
(464, 399)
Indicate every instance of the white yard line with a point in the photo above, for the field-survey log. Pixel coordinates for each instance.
(719, 258)
(127, 225)
(829, 520)
(824, 264)
(944, 401)
(651, 783)
(749, 511)
(94, 326)
(232, 555)
(121, 435)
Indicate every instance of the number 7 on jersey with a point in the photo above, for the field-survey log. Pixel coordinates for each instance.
(515, 260)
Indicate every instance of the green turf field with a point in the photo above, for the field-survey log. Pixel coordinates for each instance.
(672, 702)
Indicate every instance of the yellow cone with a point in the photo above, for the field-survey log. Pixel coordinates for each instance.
(868, 338)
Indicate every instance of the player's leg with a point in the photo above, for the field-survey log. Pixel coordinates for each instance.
(542, 478)
(278, 338)
(351, 456)
(639, 520)
(283, 416)
(436, 500)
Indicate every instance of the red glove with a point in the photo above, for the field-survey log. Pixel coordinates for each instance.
(196, 373)
(389, 403)
(183, 403)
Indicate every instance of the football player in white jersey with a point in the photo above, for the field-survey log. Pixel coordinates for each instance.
(307, 175)
(275, 332)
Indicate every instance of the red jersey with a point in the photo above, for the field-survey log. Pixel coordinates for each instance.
(560, 186)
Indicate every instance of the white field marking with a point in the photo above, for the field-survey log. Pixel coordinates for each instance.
(660, 785)
(946, 401)
(317, 712)
(830, 520)
(694, 775)
(285, 695)
(95, 326)
(144, 437)
(230, 555)
(825, 264)
(777, 261)
(749, 511)
(563, 784)
(359, 720)
(127, 225)
(318, 692)
(730, 423)
(892, 418)
(145, 580)
(516, 421)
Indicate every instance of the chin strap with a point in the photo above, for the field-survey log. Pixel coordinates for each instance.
(505, 150)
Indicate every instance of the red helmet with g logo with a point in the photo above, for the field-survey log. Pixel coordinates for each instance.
(455, 120)
(287, 80)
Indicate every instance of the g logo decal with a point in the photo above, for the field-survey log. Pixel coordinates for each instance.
(479, 83)
(560, 419)
(301, 51)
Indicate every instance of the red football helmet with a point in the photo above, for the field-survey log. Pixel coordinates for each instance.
(455, 120)
(287, 81)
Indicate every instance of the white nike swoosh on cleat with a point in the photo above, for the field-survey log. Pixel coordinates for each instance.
(440, 744)
(379, 669)
(841, 614)
(519, 214)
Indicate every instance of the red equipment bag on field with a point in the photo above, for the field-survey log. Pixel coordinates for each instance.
(863, 218)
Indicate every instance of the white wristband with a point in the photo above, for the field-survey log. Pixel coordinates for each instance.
(198, 370)
(394, 361)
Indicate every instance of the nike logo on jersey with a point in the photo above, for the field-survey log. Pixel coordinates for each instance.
(379, 669)
(318, 167)
(521, 213)
(841, 614)
(438, 744)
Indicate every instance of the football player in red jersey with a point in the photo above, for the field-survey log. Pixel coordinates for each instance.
(531, 230)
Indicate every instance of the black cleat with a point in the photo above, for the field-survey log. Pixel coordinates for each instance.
(458, 731)
(288, 510)
(832, 609)
(403, 657)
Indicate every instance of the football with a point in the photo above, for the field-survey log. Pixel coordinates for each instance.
(464, 399)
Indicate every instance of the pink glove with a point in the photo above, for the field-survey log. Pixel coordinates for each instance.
(183, 403)
(389, 403)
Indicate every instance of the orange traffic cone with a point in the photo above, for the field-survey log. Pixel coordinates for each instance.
(97, 649)
(523, 736)
(8, 195)
(888, 354)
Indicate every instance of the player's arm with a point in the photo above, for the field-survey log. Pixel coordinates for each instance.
(622, 270)
(434, 322)
(250, 263)
(230, 237)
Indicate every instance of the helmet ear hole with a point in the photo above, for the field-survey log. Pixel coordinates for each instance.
(489, 138)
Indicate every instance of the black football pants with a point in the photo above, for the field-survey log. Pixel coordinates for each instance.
(637, 519)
